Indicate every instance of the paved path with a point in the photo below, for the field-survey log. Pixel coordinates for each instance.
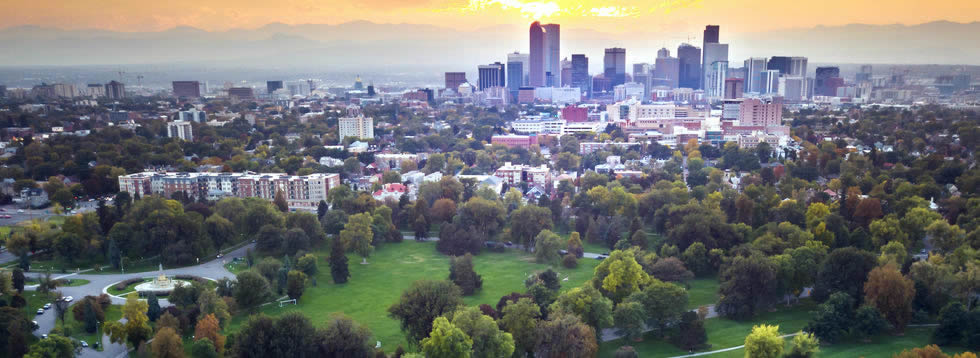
(213, 269)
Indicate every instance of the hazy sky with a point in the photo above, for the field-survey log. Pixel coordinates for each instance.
(601, 15)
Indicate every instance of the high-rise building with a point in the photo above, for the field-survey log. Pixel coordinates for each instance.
(357, 127)
(536, 56)
(193, 115)
(864, 75)
(65, 90)
(783, 64)
(711, 36)
(552, 55)
(525, 61)
(187, 89)
(180, 129)
(515, 77)
(454, 79)
(272, 86)
(491, 75)
(714, 82)
(667, 71)
(797, 66)
(689, 58)
(580, 73)
(715, 52)
(115, 90)
(734, 88)
(241, 93)
(826, 81)
(792, 88)
(753, 73)
(3, 91)
(769, 82)
(663, 52)
(765, 112)
(566, 72)
(614, 66)
(96, 90)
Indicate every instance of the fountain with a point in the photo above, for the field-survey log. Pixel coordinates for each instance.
(161, 283)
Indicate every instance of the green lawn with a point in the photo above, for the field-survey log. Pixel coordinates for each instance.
(77, 328)
(883, 346)
(702, 291)
(722, 333)
(374, 287)
(35, 300)
(132, 287)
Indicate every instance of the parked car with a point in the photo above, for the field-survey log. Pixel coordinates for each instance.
(40, 311)
(600, 257)
(69, 299)
(47, 306)
(84, 344)
(20, 210)
(43, 336)
(220, 256)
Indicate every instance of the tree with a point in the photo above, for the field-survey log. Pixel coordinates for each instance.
(421, 303)
(588, 304)
(168, 320)
(564, 335)
(764, 342)
(209, 328)
(251, 290)
(887, 229)
(844, 270)
(203, 348)
(575, 245)
(153, 307)
(527, 222)
(446, 341)
(833, 318)
(55, 346)
(136, 329)
(208, 302)
(867, 322)
(747, 286)
(338, 262)
(461, 273)
(280, 201)
(295, 240)
(307, 264)
(17, 279)
(629, 317)
(15, 329)
(488, 340)
(547, 246)
(357, 235)
(321, 209)
(619, 275)
(443, 210)
(954, 325)
(269, 239)
(520, 319)
(663, 303)
(670, 269)
(295, 284)
(892, 294)
(804, 345)
(690, 332)
(342, 337)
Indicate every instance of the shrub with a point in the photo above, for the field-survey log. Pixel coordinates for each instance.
(569, 261)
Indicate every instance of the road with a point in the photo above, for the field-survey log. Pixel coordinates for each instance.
(213, 269)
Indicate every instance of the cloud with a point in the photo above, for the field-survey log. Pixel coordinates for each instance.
(553, 8)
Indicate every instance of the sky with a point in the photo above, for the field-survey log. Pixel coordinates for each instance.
(612, 16)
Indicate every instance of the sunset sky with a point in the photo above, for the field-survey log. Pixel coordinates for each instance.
(601, 15)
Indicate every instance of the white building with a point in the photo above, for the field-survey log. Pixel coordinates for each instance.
(628, 90)
(193, 115)
(180, 129)
(357, 127)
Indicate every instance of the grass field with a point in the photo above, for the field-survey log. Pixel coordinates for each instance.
(35, 300)
(130, 288)
(883, 346)
(374, 287)
(702, 291)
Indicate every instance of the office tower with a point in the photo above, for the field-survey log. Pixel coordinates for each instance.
(241, 93)
(714, 52)
(180, 129)
(792, 88)
(782, 64)
(797, 66)
(360, 127)
(667, 71)
(96, 90)
(711, 36)
(864, 75)
(454, 79)
(734, 88)
(614, 66)
(689, 58)
(187, 89)
(491, 75)
(115, 90)
(566, 72)
(552, 55)
(714, 82)
(272, 86)
(640, 69)
(536, 56)
(663, 52)
(643, 74)
(580, 73)
(753, 73)
(525, 64)
(193, 115)
(826, 81)
(515, 77)
(769, 82)
(65, 90)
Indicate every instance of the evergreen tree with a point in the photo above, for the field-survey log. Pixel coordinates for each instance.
(115, 255)
(91, 320)
(338, 262)
(321, 209)
(153, 309)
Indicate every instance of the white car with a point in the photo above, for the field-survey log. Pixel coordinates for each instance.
(47, 306)
(69, 299)
(20, 211)
(84, 344)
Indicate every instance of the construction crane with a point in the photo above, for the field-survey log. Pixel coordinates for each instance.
(121, 73)
(139, 81)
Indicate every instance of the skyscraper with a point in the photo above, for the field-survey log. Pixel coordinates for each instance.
(525, 64)
(537, 56)
(115, 90)
(515, 77)
(552, 55)
(272, 86)
(614, 65)
(714, 82)
(797, 66)
(491, 75)
(454, 79)
(689, 63)
(189, 89)
(667, 70)
(753, 73)
(781, 63)
(734, 88)
(580, 73)
(826, 81)
(711, 36)
(768, 82)
(566, 72)
(715, 52)
(864, 75)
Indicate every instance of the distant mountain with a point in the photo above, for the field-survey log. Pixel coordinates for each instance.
(366, 45)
